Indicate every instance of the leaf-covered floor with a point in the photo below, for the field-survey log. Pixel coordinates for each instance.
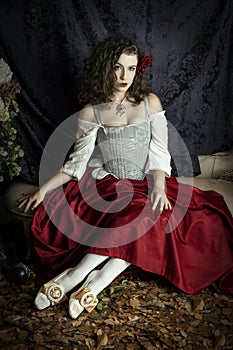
(137, 312)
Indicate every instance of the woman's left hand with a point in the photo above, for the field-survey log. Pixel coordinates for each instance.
(159, 199)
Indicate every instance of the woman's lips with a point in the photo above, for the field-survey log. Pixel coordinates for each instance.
(123, 84)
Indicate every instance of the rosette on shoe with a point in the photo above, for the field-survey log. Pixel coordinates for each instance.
(83, 298)
(51, 293)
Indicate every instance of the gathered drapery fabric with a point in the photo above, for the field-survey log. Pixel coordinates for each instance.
(48, 45)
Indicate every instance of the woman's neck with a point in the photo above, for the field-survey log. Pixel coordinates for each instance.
(118, 97)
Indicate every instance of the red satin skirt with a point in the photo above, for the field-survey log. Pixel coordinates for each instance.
(190, 245)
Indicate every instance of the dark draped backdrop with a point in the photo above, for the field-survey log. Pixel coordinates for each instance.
(47, 43)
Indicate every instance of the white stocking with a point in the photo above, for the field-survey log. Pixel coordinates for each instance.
(107, 274)
(70, 278)
(79, 272)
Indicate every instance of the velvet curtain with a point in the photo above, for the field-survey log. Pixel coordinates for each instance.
(46, 44)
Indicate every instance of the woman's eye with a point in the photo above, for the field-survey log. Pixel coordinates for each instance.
(116, 68)
(132, 69)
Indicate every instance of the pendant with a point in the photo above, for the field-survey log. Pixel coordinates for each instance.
(120, 110)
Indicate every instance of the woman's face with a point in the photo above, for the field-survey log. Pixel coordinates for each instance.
(125, 70)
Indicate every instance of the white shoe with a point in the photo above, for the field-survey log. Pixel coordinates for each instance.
(51, 293)
(83, 298)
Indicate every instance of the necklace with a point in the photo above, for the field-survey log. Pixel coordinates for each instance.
(120, 108)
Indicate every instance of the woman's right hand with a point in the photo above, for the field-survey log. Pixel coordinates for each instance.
(31, 200)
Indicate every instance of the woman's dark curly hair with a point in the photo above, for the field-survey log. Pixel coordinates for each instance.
(99, 78)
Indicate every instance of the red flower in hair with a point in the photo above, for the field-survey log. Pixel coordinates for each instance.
(144, 63)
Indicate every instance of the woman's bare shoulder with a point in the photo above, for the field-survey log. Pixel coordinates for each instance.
(87, 113)
(154, 103)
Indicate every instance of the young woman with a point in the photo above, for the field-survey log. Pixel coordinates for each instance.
(123, 206)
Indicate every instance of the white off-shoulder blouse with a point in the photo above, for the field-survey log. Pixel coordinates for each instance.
(128, 151)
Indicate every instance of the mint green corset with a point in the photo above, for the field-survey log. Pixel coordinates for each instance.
(125, 149)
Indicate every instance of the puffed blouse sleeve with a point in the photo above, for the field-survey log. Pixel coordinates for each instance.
(159, 157)
(83, 149)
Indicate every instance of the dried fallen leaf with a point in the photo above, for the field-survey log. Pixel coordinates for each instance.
(135, 303)
(147, 314)
(227, 322)
(38, 338)
(27, 296)
(208, 344)
(90, 343)
(111, 321)
(227, 311)
(76, 323)
(134, 318)
(188, 306)
(220, 339)
(102, 338)
(183, 333)
(145, 343)
(198, 305)
(167, 341)
(198, 316)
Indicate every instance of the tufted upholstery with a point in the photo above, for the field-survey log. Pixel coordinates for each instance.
(212, 168)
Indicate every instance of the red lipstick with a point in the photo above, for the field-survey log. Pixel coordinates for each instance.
(123, 84)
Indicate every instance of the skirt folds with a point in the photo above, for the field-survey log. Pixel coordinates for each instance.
(190, 245)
